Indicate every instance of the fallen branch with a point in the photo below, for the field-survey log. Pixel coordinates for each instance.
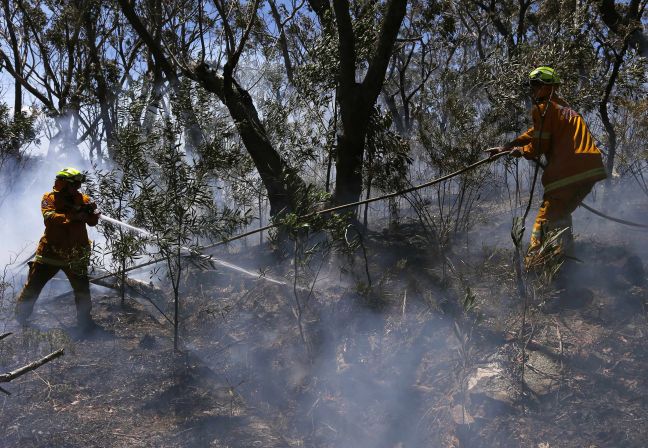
(6, 377)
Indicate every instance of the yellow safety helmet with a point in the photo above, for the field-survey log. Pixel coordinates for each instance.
(544, 75)
(71, 175)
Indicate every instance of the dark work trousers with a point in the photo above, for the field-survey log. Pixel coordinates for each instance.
(39, 275)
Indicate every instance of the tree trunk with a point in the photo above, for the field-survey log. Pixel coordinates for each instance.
(349, 156)
(357, 99)
(603, 110)
(18, 99)
(104, 97)
(278, 178)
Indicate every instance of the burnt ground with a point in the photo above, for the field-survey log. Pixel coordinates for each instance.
(432, 357)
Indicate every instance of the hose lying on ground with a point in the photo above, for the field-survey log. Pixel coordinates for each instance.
(620, 221)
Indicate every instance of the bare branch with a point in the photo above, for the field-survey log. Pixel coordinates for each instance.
(41, 97)
(10, 376)
(246, 34)
(129, 11)
(229, 35)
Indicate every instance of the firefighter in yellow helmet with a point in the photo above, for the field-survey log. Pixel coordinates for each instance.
(64, 246)
(573, 162)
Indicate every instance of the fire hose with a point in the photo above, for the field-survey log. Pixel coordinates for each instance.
(195, 252)
(330, 210)
(611, 218)
(368, 201)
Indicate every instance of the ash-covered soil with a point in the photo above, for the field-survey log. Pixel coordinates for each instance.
(434, 355)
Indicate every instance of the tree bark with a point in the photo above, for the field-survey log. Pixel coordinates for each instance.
(603, 110)
(6, 377)
(357, 99)
(18, 100)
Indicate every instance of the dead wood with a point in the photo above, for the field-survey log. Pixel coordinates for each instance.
(138, 286)
(6, 377)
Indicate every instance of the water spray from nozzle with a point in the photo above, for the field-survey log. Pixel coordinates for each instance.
(146, 233)
(209, 259)
(124, 225)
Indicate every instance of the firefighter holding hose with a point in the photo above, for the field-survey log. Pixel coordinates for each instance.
(573, 162)
(64, 246)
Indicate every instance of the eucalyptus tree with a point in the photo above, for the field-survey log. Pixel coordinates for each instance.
(14, 58)
(61, 55)
(235, 23)
(364, 34)
(622, 42)
(414, 61)
(104, 83)
(200, 60)
(50, 63)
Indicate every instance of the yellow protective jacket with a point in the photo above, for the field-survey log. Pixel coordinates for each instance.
(65, 241)
(561, 135)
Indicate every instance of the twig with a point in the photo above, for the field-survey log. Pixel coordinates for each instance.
(5, 335)
(560, 342)
(310, 411)
(298, 312)
(404, 302)
(6, 377)
(552, 376)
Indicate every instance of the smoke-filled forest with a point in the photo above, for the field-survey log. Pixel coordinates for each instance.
(312, 223)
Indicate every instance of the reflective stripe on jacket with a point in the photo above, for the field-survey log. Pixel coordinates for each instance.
(65, 240)
(561, 135)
